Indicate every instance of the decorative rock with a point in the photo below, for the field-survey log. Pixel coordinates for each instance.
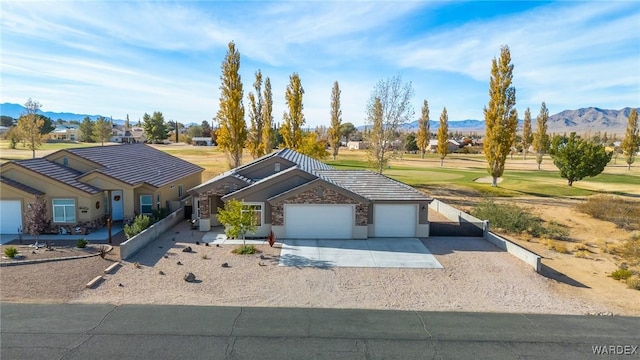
(189, 277)
(161, 272)
(187, 249)
(206, 244)
(120, 284)
(217, 245)
(166, 256)
(179, 263)
(197, 243)
(225, 265)
(262, 257)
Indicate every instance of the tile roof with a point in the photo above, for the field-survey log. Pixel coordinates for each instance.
(19, 185)
(304, 162)
(137, 163)
(57, 172)
(372, 186)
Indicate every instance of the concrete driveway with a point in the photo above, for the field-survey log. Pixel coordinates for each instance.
(380, 252)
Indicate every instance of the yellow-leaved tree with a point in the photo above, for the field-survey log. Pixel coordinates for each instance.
(336, 120)
(501, 117)
(631, 139)
(232, 131)
(254, 135)
(423, 130)
(443, 136)
(291, 129)
(267, 142)
(527, 135)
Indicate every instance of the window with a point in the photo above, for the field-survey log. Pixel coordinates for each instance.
(277, 167)
(158, 201)
(257, 210)
(179, 191)
(146, 204)
(64, 210)
(65, 161)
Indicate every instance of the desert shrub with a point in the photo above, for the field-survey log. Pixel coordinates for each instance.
(630, 251)
(245, 250)
(140, 223)
(159, 214)
(633, 283)
(583, 254)
(514, 219)
(103, 251)
(10, 252)
(621, 274)
(136, 265)
(622, 212)
(557, 247)
(82, 243)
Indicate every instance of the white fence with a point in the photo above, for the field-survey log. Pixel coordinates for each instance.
(512, 248)
(136, 243)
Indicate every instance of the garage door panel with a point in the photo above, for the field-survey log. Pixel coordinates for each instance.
(10, 216)
(395, 220)
(318, 221)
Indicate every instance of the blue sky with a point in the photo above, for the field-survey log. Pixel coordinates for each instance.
(130, 57)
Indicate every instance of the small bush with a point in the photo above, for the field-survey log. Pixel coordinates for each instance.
(136, 265)
(583, 254)
(82, 243)
(159, 214)
(557, 246)
(103, 251)
(10, 252)
(633, 283)
(204, 256)
(140, 223)
(621, 274)
(245, 250)
(556, 231)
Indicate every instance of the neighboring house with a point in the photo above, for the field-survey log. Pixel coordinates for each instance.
(3, 131)
(202, 141)
(83, 186)
(356, 145)
(134, 135)
(452, 146)
(64, 133)
(296, 196)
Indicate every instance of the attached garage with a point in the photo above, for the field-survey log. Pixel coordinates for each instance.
(10, 216)
(318, 221)
(395, 220)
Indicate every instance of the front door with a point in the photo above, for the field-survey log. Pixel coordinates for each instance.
(117, 209)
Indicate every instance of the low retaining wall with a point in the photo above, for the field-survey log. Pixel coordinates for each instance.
(136, 243)
(512, 248)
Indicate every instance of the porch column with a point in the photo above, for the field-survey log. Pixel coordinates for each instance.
(205, 216)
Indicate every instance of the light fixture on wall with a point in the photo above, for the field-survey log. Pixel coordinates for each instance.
(423, 208)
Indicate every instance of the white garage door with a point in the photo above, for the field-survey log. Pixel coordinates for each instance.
(318, 221)
(10, 216)
(395, 220)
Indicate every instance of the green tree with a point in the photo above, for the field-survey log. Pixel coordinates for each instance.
(194, 131)
(254, 135)
(86, 130)
(527, 135)
(155, 127)
(443, 136)
(424, 135)
(346, 130)
(206, 128)
(238, 219)
(232, 134)
(102, 129)
(501, 117)
(541, 138)
(268, 132)
(631, 139)
(577, 158)
(336, 120)
(36, 220)
(13, 135)
(127, 124)
(393, 97)
(410, 143)
(293, 120)
(30, 126)
(6, 120)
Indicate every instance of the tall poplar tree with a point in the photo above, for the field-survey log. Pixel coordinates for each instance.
(541, 140)
(335, 135)
(501, 117)
(527, 135)
(293, 120)
(631, 139)
(254, 136)
(443, 136)
(423, 130)
(127, 124)
(377, 141)
(232, 133)
(267, 119)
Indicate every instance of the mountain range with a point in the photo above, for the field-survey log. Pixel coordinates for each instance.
(580, 120)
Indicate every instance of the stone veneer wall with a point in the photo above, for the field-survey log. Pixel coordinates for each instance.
(319, 195)
(220, 190)
(84, 227)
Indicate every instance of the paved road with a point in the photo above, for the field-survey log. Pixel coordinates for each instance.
(36, 331)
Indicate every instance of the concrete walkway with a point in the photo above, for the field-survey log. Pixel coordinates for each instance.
(376, 252)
